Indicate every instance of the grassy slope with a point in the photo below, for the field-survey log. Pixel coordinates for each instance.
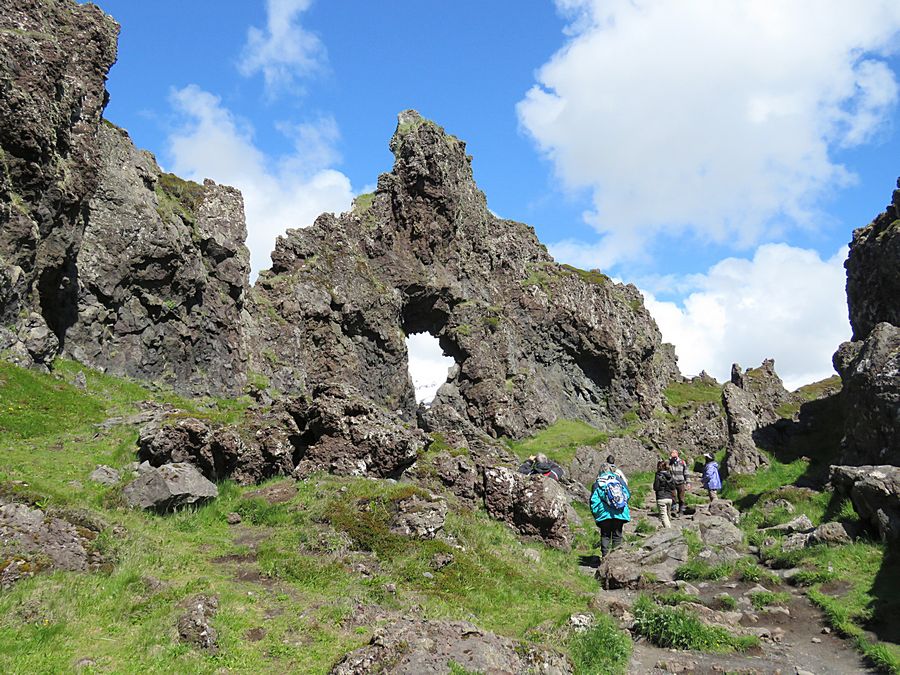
(301, 583)
(852, 583)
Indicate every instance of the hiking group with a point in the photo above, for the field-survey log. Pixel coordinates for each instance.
(610, 494)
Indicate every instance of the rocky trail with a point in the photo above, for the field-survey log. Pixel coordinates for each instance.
(794, 637)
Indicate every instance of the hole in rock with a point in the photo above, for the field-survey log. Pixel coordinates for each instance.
(428, 365)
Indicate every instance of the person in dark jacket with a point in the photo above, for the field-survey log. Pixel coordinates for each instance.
(541, 465)
(679, 470)
(711, 479)
(664, 486)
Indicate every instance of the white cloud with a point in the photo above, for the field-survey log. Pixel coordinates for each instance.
(786, 303)
(284, 50)
(282, 192)
(428, 365)
(707, 117)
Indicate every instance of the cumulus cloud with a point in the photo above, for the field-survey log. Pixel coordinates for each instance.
(428, 366)
(710, 118)
(786, 303)
(279, 192)
(284, 50)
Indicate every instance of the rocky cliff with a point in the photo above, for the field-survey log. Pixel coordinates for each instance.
(162, 275)
(54, 57)
(127, 269)
(869, 365)
(533, 340)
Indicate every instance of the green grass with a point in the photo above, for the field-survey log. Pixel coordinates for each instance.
(603, 648)
(762, 599)
(559, 441)
(677, 628)
(867, 595)
(300, 580)
(686, 394)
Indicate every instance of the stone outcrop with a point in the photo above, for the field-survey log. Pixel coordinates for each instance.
(875, 493)
(870, 371)
(869, 365)
(344, 433)
(535, 506)
(32, 540)
(260, 447)
(168, 488)
(418, 517)
(873, 284)
(194, 625)
(162, 275)
(54, 57)
(412, 647)
(631, 456)
(534, 341)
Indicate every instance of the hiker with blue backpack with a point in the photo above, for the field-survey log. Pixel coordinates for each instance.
(609, 504)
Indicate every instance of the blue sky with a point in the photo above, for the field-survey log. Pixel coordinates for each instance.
(717, 155)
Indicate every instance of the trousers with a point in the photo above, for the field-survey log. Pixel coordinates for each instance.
(664, 506)
(610, 534)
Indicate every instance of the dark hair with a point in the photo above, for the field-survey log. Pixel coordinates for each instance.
(662, 465)
(611, 459)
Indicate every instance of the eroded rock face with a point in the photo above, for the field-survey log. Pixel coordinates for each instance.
(534, 341)
(54, 57)
(162, 274)
(631, 456)
(743, 456)
(875, 493)
(870, 371)
(32, 540)
(410, 647)
(344, 433)
(260, 447)
(873, 284)
(534, 505)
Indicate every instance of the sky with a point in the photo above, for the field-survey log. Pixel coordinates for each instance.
(716, 155)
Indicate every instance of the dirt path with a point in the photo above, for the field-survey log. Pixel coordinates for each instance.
(794, 639)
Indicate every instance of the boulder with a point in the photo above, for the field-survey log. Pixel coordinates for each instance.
(875, 493)
(717, 531)
(413, 647)
(656, 559)
(833, 533)
(345, 433)
(534, 505)
(32, 540)
(419, 518)
(169, 487)
(801, 523)
(105, 475)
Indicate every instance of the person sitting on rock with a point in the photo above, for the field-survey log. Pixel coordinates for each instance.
(664, 486)
(679, 469)
(609, 504)
(711, 479)
(540, 464)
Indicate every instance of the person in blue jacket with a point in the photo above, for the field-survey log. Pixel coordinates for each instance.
(711, 479)
(609, 504)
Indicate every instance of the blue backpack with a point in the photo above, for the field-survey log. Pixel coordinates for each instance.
(612, 492)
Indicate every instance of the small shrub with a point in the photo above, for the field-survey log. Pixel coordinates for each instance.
(673, 598)
(601, 649)
(768, 598)
(700, 570)
(676, 628)
(723, 602)
(643, 526)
